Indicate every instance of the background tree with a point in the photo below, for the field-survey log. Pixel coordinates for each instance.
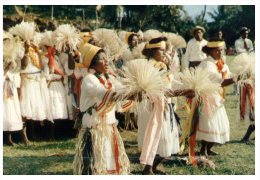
(168, 18)
(230, 19)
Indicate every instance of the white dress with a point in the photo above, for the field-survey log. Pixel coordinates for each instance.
(12, 119)
(103, 125)
(63, 59)
(216, 128)
(169, 138)
(33, 91)
(58, 97)
(44, 89)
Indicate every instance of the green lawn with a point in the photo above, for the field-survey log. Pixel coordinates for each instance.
(56, 157)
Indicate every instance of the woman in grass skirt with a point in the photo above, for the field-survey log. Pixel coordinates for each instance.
(99, 147)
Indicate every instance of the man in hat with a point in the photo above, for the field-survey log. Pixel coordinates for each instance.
(194, 54)
(243, 44)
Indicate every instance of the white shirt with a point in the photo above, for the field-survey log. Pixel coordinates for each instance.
(239, 45)
(194, 51)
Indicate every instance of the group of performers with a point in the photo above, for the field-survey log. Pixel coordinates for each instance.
(51, 75)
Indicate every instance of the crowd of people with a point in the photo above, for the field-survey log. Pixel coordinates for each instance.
(68, 74)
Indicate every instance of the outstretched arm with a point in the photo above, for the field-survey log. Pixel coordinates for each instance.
(189, 93)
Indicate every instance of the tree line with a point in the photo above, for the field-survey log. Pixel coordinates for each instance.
(168, 18)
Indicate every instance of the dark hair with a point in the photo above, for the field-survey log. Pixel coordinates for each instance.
(206, 49)
(130, 38)
(85, 30)
(244, 29)
(95, 59)
(149, 53)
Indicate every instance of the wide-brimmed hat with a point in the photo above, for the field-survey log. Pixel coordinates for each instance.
(213, 43)
(198, 28)
(88, 52)
(244, 29)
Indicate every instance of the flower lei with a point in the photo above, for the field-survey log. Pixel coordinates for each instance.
(102, 81)
(36, 62)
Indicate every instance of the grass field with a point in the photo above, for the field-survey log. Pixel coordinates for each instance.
(55, 157)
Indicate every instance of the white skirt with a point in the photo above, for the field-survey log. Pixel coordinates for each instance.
(169, 138)
(215, 129)
(58, 101)
(12, 115)
(32, 103)
(46, 99)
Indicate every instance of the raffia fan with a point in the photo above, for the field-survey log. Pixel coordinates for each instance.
(127, 55)
(37, 38)
(141, 77)
(206, 87)
(25, 30)
(47, 39)
(7, 35)
(109, 40)
(12, 50)
(243, 65)
(137, 51)
(151, 33)
(199, 80)
(121, 35)
(140, 34)
(175, 40)
(66, 35)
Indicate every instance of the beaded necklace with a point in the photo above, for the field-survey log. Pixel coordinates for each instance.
(102, 81)
(36, 62)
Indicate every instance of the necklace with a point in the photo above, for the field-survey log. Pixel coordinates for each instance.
(107, 85)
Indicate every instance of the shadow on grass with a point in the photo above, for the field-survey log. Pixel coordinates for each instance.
(241, 142)
(49, 145)
(36, 165)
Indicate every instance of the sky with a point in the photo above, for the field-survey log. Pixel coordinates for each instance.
(194, 10)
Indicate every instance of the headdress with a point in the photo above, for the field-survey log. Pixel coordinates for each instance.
(215, 44)
(12, 49)
(37, 39)
(198, 28)
(66, 35)
(88, 51)
(47, 39)
(109, 41)
(25, 30)
(127, 35)
(243, 29)
(156, 45)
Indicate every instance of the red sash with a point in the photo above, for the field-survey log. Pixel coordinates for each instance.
(52, 63)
